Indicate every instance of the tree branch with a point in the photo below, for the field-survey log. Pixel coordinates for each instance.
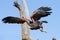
(17, 5)
(25, 35)
(20, 8)
(21, 15)
(27, 16)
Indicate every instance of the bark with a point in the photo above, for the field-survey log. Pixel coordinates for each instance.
(25, 35)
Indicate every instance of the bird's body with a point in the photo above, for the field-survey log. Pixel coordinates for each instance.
(34, 24)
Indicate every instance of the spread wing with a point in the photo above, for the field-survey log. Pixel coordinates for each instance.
(41, 12)
(10, 19)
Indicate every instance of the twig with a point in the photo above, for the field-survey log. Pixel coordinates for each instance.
(17, 5)
(20, 8)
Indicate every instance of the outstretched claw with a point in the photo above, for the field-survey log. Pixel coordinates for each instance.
(43, 31)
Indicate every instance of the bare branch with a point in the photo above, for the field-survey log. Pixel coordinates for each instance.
(27, 16)
(24, 34)
(17, 5)
(21, 15)
(20, 8)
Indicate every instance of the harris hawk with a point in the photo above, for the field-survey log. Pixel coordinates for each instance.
(33, 23)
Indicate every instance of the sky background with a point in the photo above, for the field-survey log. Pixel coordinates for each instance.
(13, 31)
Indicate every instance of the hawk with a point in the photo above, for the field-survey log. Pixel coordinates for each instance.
(34, 23)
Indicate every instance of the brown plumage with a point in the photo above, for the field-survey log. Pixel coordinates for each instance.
(11, 19)
(34, 24)
(41, 12)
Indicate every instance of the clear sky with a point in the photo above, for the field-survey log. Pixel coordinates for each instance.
(13, 31)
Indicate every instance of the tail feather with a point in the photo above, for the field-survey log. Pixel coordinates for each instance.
(44, 21)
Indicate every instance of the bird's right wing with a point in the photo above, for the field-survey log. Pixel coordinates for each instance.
(11, 19)
(41, 12)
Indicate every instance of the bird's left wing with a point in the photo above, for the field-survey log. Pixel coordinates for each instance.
(11, 19)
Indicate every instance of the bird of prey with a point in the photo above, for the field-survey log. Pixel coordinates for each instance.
(34, 23)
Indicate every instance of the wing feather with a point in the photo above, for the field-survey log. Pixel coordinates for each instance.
(10, 19)
(41, 12)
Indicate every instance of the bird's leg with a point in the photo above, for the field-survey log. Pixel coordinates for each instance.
(43, 31)
(40, 25)
(41, 28)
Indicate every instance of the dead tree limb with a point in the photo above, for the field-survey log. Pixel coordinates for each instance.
(21, 15)
(27, 16)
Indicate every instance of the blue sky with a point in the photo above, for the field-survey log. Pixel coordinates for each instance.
(13, 31)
